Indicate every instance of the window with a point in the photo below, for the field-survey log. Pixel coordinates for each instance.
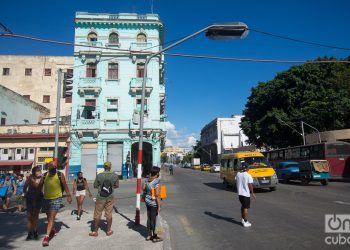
(3, 121)
(28, 72)
(70, 71)
(46, 99)
(31, 151)
(112, 104)
(91, 70)
(92, 37)
(5, 151)
(138, 105)
(6, 71)
(140, 70)
(112, 71)
(141, 38)
(113, 38)
(26, 97)
(47, 72)
(18, 151)
(68, 99)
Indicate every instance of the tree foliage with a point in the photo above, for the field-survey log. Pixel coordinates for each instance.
(316, 93)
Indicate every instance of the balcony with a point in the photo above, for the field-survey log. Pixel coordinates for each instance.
(136, 85)
(87, 84)
(141, 46)
(90, 47)
(88, 124)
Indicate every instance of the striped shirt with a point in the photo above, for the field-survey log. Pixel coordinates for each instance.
(148, 197)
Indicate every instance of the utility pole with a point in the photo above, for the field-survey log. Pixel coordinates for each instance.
(57, 125)
(303, 132)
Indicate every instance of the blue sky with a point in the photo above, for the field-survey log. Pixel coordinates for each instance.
(198, 90)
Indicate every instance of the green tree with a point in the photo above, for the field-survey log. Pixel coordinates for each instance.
(316, 93)
(164, 158)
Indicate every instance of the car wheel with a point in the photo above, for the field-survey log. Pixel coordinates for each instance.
(304, 181)
(324, 182)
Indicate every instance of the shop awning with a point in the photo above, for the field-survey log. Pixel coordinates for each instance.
(15, 163)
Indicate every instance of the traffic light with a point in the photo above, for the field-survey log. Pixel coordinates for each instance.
(67, 83)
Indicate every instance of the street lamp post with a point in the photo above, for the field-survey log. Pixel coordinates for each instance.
(318, 132)
(215, 31)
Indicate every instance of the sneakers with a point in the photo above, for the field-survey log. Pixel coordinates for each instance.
(46, 241)
(246, 223)
(36, 235)
(78, 217)
(29, 236)
(52, 233)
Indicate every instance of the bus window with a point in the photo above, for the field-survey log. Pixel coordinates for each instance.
(281, 154)
(230, 164)
(235, 164)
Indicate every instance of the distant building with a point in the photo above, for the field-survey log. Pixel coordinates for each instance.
(220, 135)
(16, 109)
(328, 136)
(35, 78)
(107, 92)
(174, 151)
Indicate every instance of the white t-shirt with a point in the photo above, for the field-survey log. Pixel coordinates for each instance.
(242, 180)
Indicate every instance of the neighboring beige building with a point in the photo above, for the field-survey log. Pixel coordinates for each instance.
(35, 77)
(174, 150)
(329, 136)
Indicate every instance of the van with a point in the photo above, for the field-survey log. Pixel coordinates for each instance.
(259, 168)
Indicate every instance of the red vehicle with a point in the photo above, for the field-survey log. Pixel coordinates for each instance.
(337, 154)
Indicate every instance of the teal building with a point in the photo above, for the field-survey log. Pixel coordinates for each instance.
(109, 60)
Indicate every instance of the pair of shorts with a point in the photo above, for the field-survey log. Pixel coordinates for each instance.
(80, 193)
(51, 205)
(34, 203)
(103, 205)
(245, 201)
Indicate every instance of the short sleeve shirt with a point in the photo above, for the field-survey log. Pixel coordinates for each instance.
(242, 181)
(148, 192)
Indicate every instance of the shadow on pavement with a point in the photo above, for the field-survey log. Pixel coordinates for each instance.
(219, 217)
(141, 229)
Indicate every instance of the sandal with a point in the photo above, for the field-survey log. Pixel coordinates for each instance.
(109, 233)
(148, 238)
(93, 234)
(156, 239)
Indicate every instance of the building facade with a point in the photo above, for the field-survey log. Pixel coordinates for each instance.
(35, 78)
(108, 70)
(220, 135)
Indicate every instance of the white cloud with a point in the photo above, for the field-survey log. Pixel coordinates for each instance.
(178, 138)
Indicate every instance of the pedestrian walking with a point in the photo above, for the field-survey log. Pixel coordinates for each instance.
(80, 186)
(20, 193)
(151, 189)
(11, 189)
(171, 170)
(54, 184)
(34, 199)
(244, 182)
(105, 182)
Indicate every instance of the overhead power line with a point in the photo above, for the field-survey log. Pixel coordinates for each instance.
(299, 40)
(175, 55)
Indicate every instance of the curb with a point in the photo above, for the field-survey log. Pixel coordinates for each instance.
(166, 236)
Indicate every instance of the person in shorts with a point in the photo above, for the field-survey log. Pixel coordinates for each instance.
(54, 183)
(105, 182)
(80, 186)
(19, 193)
(34, 200)
(244, 182)
(10, 190)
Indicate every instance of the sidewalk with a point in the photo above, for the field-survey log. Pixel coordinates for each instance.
(73, 234)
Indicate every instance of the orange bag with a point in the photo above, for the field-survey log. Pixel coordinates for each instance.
(162, 193)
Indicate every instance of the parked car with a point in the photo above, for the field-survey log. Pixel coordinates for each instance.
(215, 168)
(314, 170)
(205, 167)
(288, 170)
(196, 167)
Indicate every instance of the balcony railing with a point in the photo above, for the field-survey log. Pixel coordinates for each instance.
(90, 82)
(141, 46)
(90, 46)
(88, 123)
(136, 85)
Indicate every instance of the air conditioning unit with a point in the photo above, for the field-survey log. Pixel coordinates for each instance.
(45, 131)
(9, 131)
(12, 131)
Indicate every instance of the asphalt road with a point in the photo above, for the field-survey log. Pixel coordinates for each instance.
(202, 214)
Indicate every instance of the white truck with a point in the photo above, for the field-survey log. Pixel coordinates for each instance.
(196, 163)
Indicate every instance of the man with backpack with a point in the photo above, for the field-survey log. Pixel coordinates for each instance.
(11, 189)
(105, 182)
(54, 184)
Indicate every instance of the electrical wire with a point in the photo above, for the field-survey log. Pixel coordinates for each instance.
(299, 40)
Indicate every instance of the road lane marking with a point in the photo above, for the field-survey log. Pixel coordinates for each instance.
(342, 203)
(186, 224)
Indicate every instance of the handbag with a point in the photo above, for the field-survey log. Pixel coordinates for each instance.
(3, 191)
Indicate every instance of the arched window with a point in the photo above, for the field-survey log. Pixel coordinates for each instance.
(92, 37)
(113, 38)
(141, 38)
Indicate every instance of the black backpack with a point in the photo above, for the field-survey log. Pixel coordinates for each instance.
(106, 188)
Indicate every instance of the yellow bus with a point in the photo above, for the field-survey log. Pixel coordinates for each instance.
(259, 168)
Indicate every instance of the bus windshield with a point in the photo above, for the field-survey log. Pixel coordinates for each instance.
(255, 162)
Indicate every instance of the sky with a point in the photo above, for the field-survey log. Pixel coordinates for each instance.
(197, 90)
